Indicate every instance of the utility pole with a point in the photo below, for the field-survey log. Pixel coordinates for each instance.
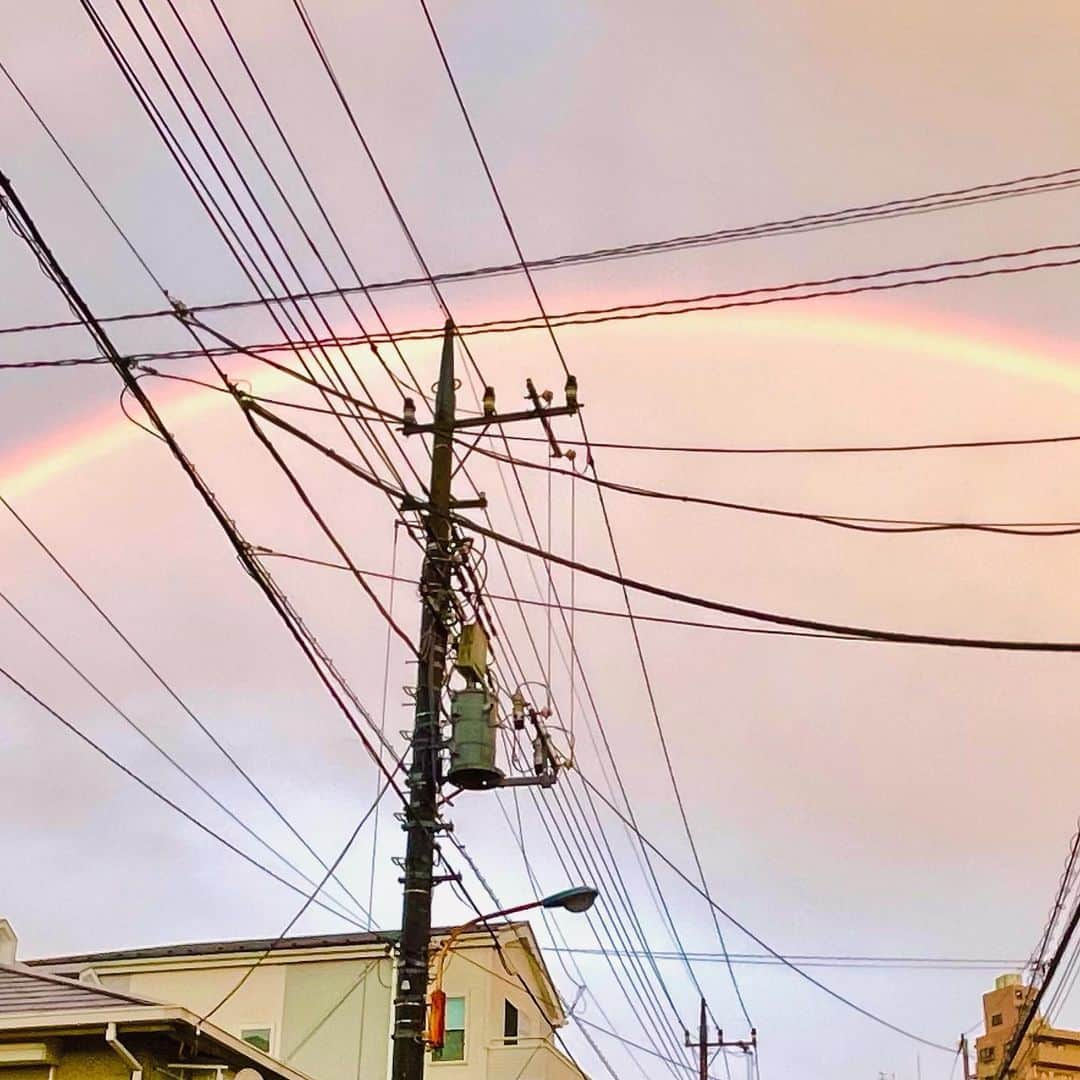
(964, 1061)
(424, 779)
(703, 1046)
(472, 742)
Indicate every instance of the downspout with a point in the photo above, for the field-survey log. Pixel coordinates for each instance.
(122, 1051)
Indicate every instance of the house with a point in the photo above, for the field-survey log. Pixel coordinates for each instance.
(54, 1029)
(323, 1004)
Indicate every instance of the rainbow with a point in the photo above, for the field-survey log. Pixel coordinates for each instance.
(106, 432)
(78, 446)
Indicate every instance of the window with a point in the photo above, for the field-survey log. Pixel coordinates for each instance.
(986, 1053)
(510, 1023)
(454, 1046)
(995, 1020)
(259, 1037)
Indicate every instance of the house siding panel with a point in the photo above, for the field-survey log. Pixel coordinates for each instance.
(336, 1018)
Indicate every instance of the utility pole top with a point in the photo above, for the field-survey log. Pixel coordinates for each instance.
(703, 1045)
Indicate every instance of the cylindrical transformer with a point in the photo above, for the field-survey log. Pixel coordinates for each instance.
(472, 742)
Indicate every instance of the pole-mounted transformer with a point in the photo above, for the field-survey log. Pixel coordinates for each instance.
(474, 723)
(472, 741)
(473, 717)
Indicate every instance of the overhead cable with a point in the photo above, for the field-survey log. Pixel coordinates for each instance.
(24, 225)
(841, 521)
(836, 995)
(165, 685)
(170, 758)
(745, 298)
(767, 616)
(302, 910)
(972, 444)
(1062, 179)
(161, 797)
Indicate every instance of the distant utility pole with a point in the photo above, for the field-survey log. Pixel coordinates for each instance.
(474, 712)
(965, 1062)
(703, 1046)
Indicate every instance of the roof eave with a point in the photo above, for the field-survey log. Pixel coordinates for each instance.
(139, 1015)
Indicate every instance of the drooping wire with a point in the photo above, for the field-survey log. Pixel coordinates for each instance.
(904, 526)
(973, 444)
(158, 677)
(768, 616)
(170, 758)
(383, 703)
(301, 911)
(1058, 180)
(836, 995)
(161, 797)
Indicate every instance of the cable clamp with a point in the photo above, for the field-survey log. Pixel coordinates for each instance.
(180, 309)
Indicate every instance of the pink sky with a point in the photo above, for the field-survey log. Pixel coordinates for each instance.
(847, 797)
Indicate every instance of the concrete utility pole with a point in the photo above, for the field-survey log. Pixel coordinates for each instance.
(472, 742)
(703, 1046)
(424, 779)
(965, 1063)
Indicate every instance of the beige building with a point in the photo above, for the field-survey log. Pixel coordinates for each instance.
(54, 1029)
(1046, 1053)
(322, 1005)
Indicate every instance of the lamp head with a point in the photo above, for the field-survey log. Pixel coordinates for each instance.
(576, 900)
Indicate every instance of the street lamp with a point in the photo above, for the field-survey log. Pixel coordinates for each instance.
(576, 900)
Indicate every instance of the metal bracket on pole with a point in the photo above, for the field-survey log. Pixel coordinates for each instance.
(409, 503)
(534, 397)
(496, 418)
(545, 781)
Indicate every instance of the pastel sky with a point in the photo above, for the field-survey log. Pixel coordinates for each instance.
(847, 798)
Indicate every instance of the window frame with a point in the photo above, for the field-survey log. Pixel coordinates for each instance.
(254, 1027)
(510, 1009)
(464, 1029)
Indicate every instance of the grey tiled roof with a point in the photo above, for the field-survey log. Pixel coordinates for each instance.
(211, 948)
(244, 945)
(25, 991)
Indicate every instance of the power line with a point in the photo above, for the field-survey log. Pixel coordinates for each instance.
(172, 760)
(389, 779)
(1032, 1009)
(637, 1046)
(946, 200)
(904, 526)
(620, 313)
(252, 271)
(767, 616)
(755, 938)
(18, 217)
(308, 901)
(322, 54)
(146, 786)
(128, 242)
(167, 687)
(894, 448)
(228, 232)
(547, 322)
(852, 962)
